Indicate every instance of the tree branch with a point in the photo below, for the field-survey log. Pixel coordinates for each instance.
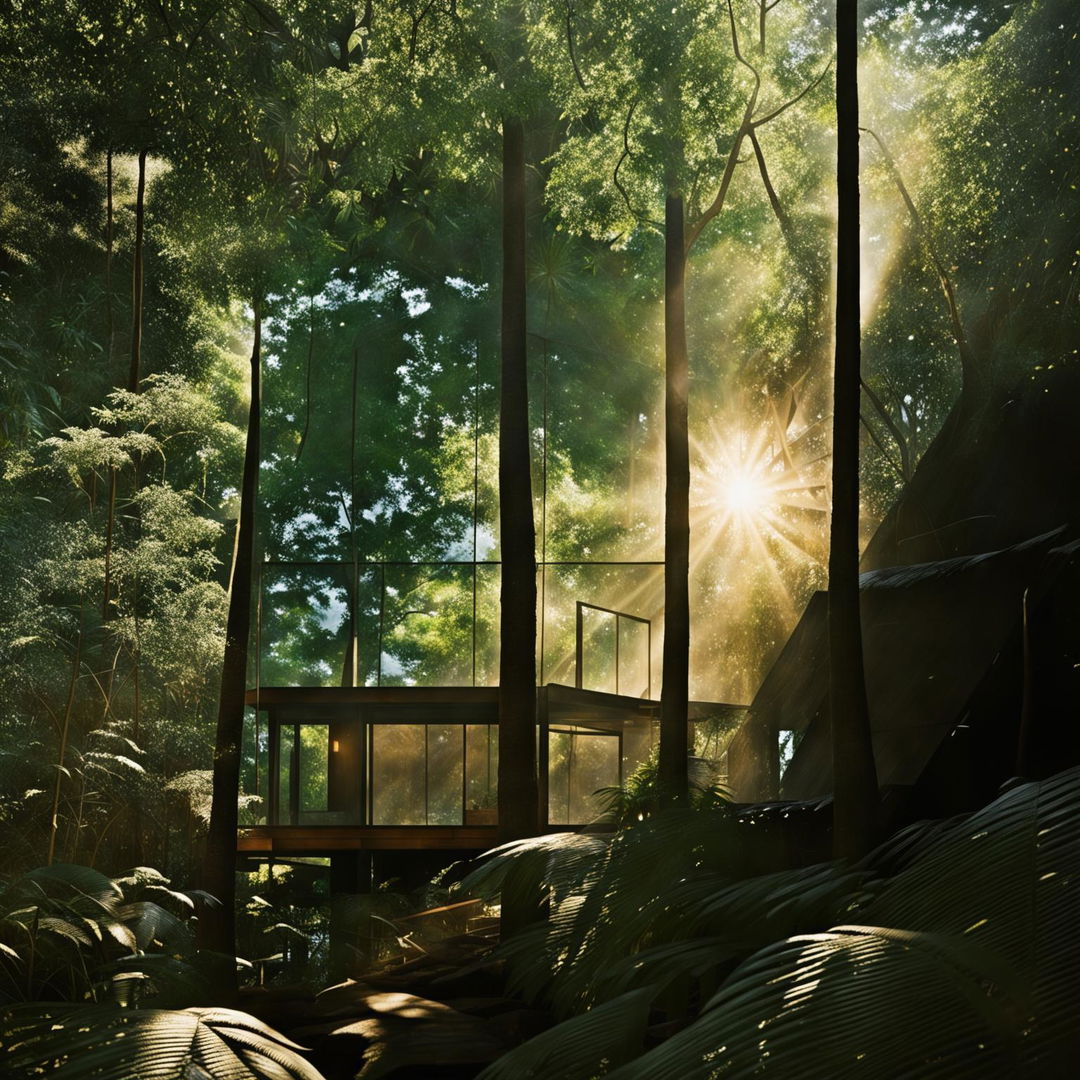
(894, 428)
(774, 201)
(694, 229)
(969, 367)
(796, 99)
(622, 157)
(570, 45)
(884, 453)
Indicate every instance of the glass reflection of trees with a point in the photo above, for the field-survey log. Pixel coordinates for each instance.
(431, 774)
(580, 761)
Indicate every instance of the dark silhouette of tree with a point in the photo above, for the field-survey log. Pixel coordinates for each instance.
(218, 926)
(675, 689)
(855, 777)
(518, 799)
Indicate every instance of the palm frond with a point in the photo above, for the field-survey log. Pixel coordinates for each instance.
(866, 1002)
(966, 967)
(73, 1042)
(581, 1048)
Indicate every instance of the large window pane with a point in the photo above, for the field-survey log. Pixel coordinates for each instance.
(314, 748)
(428, 626)
(633, 667)
(397, 774)
(579, 763)
(636, 590)
(604, 415)
(287, 735)
(639, 738)
(481, 766)
(488, 579)
(255, 758)
(304, 626)
(598, 650)
(445, 753)
(594, 764)
(417, 773)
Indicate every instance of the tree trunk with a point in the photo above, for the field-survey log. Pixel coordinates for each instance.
(137, 278)
(136, 342)
(110, 524)
(218, 926)
(108, 256)
(518, 797)
(65, 729)
(675, 675)
(855, 806)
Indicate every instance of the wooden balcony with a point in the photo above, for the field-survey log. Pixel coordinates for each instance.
(323, 839)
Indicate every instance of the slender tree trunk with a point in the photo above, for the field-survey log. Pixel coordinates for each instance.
(518, 797)
(108, 256)
(65, 729)
(675, 677)
(855, 807)
(136, 343)
(110, 524)
(137, 277)
(218, 926)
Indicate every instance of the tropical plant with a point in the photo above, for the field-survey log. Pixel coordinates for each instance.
(638, 796)
(947, 952)
(72, 1042)
(69, 932)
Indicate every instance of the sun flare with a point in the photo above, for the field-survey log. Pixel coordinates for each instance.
(744, 493)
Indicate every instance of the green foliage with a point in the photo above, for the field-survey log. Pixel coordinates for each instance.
(343, 167)
(638, 797)
(165, 450)
(70, 932)
(959, 965)
(107, 1043)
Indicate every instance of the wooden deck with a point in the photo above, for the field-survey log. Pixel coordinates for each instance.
(321, 839)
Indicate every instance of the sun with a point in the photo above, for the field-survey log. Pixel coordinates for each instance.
(744, 493)
(761, 491)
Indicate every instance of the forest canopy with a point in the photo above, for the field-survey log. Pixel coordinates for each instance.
(341, 164)
(190, 189)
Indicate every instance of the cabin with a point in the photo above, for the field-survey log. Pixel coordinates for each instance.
(399, 780)
(370, 744)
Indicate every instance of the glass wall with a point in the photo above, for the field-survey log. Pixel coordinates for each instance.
(417, 774)
(481, 769)
(580, 762)
(313, 766)
(613, 651)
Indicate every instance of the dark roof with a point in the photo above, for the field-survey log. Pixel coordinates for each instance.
(931, 632)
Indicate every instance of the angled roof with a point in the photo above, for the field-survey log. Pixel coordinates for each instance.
(931, 632)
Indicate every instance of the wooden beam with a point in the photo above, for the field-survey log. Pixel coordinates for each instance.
(297, 839)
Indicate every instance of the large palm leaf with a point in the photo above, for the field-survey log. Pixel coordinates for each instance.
(969, 970)
(620, 907)
(70, 932)
(73, 1042)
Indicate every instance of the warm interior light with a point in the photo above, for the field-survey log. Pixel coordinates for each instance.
(335, 746)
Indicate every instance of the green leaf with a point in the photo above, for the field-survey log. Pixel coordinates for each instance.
(74, 1042)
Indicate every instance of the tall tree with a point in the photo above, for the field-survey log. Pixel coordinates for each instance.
(651, 98)
(675, 669)
(218, 927)
(854, 775)
(518, 795)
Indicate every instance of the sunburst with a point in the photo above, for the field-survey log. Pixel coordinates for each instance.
(761, 500)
